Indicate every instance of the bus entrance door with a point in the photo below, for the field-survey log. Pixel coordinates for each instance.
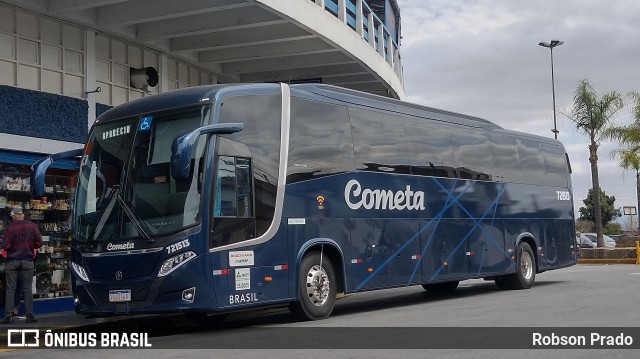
(220, 271)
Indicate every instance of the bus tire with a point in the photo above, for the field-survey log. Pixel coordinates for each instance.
(525, 273)
(317, 288)
(205, 320)
(441, 288)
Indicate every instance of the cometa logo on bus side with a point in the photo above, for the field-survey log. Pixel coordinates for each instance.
(382, 199)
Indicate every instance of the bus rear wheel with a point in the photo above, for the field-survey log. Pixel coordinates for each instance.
(525, 270)
(317, 288)
(441, 288)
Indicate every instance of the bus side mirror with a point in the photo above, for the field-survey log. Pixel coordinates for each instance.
(182, 145)
(38, 169)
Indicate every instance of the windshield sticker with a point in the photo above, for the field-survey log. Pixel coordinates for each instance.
(115, 132)
(243, 278)
(145, 123)
(240, 258)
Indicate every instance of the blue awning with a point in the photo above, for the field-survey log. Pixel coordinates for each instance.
(27, 158)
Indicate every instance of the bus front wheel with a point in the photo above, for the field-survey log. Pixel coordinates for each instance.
(317, 288)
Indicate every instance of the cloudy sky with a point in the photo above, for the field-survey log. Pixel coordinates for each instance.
(481, 57)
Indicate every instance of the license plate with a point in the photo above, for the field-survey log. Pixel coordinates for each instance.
(120, 295)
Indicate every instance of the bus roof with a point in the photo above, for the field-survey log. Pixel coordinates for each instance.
(194, 95)
(162, 101)
(390, 104)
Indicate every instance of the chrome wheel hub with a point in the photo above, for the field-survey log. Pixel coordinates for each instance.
(526, 265)
(317, 286)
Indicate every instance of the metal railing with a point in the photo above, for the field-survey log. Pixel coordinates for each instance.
(357, 14)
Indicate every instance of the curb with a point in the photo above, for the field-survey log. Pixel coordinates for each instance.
(607, 260)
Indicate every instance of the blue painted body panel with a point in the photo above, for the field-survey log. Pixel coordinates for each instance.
(468, 229)
(150, 294)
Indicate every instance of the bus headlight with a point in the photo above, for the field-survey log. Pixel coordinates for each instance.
(80, 272)
(175, 262)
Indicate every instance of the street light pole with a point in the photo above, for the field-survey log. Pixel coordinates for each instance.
(551, 45)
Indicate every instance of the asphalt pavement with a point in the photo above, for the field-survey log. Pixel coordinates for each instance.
(59, 320)
(564, 301)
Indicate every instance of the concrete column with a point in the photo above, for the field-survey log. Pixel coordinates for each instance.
(372, 40)
(396, 60)
(390, 50)
(320, 3)
(381, 39)
(342, 10)
(359, 18)
(164, 73)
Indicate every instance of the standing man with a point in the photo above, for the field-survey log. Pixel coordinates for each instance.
(20, 239)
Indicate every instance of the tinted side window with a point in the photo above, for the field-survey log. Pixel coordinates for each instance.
(430, 148)
(233, 188)
(233, 219)
(320, 141)
(506, 159)
(472, 152)
(531, 162)
(379, 141)
(554, 162)
(261, 134)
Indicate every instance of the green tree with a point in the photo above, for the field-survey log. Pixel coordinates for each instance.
(607, 210)
(592, 115)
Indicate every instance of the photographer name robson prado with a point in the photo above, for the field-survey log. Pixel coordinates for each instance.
(594, 339)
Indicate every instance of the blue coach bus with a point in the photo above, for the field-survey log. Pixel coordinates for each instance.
(220, 198)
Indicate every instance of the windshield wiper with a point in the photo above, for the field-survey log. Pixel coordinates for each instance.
(113, 197)
(136, 222)
(101, 221)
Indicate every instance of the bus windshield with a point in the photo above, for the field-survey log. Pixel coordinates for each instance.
(125, 189)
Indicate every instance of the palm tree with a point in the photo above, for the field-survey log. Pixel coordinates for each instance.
(630, 160)
(592, 116)
(629, 135)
